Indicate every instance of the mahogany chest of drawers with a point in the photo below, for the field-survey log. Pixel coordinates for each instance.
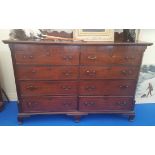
(76, 78)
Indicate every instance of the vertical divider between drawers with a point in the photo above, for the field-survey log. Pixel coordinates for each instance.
(78, 88)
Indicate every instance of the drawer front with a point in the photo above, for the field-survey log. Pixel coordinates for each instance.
(47, 72)
(108, 87)
(99, 55)
(111, 72)
(105, 103)
(48, 88)
(40, 54)
(49, 104)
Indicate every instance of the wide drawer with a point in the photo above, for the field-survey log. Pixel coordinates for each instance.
(48, 87)
(105, 103)
(109, 72)
(46, 72)
(41, 54)
(99, 55)
(49, 104)
(108, 87)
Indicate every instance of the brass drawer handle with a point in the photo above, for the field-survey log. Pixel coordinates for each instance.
(30, 104)
(122, 103)
(126, 72)
(31, 57)
(92, 57)
(67, 73)
(90, 88)
(89, 103)
(128, 58)
(67, 58)
(24, 56)
(124, 86)
(31, 87)
(66, 87)
(33, 71)
(92, 103)
(91, 73)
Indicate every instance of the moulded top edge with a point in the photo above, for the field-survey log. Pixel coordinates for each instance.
(77, 42)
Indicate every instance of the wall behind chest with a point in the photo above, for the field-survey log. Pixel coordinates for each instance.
(147, 74)
(148, 36)
(6, 68)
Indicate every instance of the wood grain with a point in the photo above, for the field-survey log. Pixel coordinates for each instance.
(76, 78)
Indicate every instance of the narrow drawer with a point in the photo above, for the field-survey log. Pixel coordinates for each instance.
(105, 103)
(47, 72)
(108, 87)
(48, 88)
(111, 72)
(49, 104)
(41, 54)
(100, 55)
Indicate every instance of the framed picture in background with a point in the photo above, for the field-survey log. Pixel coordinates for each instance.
(94, 34)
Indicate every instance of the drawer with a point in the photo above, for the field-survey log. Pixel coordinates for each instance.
(99, 55)
(105, 103)
(48, 88)
(40, 54)
(108, 87)
(46, 72)
(111, 72)
(49, 104)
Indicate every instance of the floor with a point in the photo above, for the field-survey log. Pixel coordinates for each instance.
(145, 116)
